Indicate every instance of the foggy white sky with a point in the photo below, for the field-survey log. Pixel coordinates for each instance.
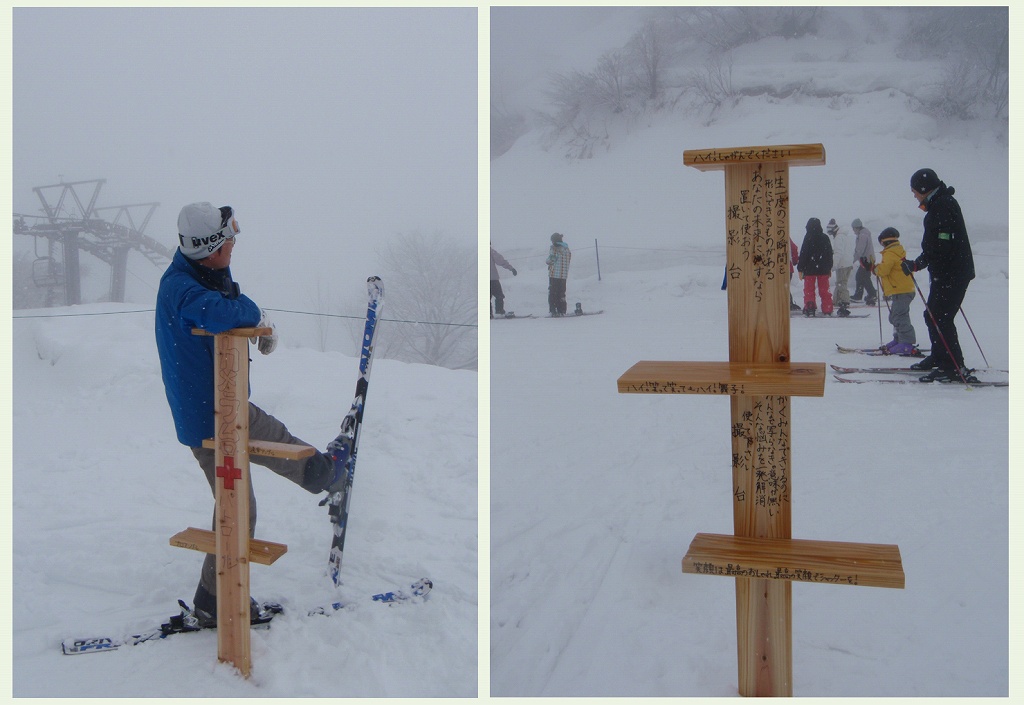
(347, 123)
(529, 43)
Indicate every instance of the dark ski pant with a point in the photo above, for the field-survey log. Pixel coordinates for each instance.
(499, 297)
(309, 473)
(944, 300)
(862, 282)
(556, 295)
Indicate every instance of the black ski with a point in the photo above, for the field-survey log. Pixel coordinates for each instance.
(800, 314)
(895, 370)
(917, 381)
(881, 352)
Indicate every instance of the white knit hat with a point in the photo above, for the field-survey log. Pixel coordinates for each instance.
(204, 228)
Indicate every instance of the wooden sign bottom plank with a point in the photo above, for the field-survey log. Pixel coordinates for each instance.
(203, 540)
(805, 379)
(800, 560)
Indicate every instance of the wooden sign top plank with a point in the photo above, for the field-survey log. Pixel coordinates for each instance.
(237, 332)
(805, 379)
(794, 154)
(831, 562)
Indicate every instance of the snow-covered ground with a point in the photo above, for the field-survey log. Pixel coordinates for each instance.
(596, 495)
(101, 484)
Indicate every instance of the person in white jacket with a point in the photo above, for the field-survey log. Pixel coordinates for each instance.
(842, 263)
(864, 247)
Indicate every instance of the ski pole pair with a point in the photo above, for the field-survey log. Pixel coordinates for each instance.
(935, 322)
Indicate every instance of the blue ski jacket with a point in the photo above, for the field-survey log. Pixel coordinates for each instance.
(187, 300)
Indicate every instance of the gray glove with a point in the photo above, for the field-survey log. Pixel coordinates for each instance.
(265, 343)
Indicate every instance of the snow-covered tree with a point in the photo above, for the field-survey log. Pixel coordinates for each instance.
(431, 301)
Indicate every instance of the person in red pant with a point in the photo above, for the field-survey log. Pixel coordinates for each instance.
(815, 267)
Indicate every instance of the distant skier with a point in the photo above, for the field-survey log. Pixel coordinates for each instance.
(815, 266)
(898, 288)
(197, 291)
(496, 293)
(558, 271)
(842, 263)
(946, 254)
(863, 248)
(794, 255)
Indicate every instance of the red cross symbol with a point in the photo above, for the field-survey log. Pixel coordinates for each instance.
(229, 472)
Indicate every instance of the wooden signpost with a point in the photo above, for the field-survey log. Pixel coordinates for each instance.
(230, 541)
(759, 379)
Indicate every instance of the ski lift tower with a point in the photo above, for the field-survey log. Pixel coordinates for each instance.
(71, 223)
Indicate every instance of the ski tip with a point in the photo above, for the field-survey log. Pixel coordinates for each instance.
(72, 647)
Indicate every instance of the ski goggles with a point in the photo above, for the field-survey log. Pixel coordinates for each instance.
(229, 225)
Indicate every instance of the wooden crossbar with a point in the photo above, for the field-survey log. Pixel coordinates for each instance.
(237, 332)
(271, 449)
(789, 154)
(204, 541)
(732, 378)
(801, 560)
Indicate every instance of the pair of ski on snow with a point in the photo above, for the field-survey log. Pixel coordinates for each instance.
(343, 451)
(187, 621)
(899, 375)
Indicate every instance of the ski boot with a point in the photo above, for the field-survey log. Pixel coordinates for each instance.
(927, 363)
(962, 376)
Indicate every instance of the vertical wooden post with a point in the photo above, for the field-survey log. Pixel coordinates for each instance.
(231, 418)
(757, 251)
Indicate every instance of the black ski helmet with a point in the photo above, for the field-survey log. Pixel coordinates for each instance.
(924, 181)
(887, 235)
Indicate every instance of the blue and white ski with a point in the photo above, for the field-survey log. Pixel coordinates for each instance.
(343, 448)
(418, 592)
(181, 623)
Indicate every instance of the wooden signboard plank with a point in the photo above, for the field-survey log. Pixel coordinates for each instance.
(272, 449)
(743, 378)
(205, 541)
(797, 560)
(719, 158)
(236, 332)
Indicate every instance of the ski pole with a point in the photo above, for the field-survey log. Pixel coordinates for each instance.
(935, 322)
(881, 336)
(975, 337)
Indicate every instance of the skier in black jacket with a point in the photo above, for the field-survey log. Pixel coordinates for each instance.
(946, 254)
(815, 267)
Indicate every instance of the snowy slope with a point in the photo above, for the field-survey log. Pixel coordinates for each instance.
(100, 484)
(596, 495)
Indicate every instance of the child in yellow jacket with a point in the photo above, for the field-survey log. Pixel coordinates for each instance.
(899, 289)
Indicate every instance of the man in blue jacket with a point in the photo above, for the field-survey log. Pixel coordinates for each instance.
(197, 291)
